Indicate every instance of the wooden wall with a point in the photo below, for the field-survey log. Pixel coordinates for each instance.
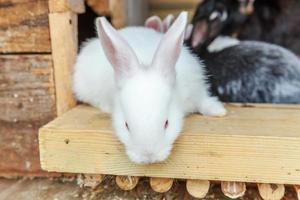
(27, 94)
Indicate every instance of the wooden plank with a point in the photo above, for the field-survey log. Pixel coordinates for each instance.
(27, 101)
(250, 144)
(64, 52)
(76, 6)
(24, 26)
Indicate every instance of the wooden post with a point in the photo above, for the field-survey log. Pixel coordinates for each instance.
(63, 31)
(271, 191)
(64, 44)
(233, 190)
(197, 188)
(127, 182)
(161, 185)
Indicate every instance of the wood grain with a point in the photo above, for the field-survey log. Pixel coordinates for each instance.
(27, 101)
(197, 188)
(127, 182)
(271, 191)
(233, 190)
(250, 144)
(24, 26)
(161, 185)
(90, 180)
(64, 52)
(76, 6)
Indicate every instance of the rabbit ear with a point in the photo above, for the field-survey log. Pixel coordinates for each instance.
(188, 32)
(167, 22)
(155, 23)
(169, 48)
(117, 50)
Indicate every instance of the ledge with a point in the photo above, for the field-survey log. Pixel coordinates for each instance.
(253, 143)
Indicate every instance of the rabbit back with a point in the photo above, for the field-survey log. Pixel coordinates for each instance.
(255, 72)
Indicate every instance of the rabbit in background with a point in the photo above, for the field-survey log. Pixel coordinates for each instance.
(147, 81)
(272, 21)
(242, 71)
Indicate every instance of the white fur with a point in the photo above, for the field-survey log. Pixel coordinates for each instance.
(148, 95)
(221, 43)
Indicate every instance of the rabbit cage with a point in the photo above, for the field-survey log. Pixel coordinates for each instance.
(38, 48)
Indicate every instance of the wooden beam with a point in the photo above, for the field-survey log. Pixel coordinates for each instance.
(76, 6)
(64, 51)
(253, 143)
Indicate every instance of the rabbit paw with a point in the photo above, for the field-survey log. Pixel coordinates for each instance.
(212, 107)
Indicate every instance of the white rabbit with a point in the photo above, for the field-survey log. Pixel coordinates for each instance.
(132, 75)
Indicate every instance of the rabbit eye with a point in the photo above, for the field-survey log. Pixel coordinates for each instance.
(214, 15)
(166, 124)
(127, 126)
(224, 16)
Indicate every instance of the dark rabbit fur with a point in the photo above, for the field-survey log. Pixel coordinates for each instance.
(254, 72)
(251, 71)
(272, 21)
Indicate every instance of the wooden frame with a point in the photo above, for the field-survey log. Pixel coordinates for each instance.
(64, 44)
(254, 143)
(249, 145)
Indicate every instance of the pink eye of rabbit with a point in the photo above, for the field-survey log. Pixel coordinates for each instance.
(166, 124)
(127, 126)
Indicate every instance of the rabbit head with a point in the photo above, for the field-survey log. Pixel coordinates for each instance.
(146, 116)
(155, 22)
(209, 19)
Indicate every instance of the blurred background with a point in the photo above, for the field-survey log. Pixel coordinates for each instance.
(274, 21)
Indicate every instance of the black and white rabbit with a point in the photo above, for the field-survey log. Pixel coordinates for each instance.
(245, 71)
(272, 21)
(147, 81)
